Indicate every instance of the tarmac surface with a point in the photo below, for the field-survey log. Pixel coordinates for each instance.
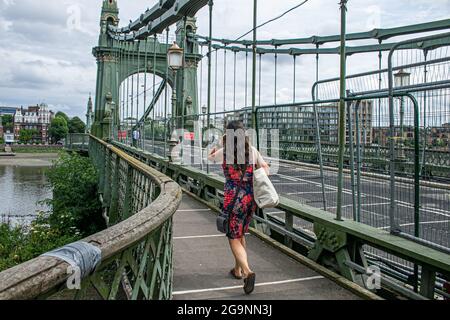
(302, 183)
(203, 259)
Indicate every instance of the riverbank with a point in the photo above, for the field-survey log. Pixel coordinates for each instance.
(29, 148)
(74, 214)
(29, 160)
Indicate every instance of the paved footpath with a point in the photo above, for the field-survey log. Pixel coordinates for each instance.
(203, 260)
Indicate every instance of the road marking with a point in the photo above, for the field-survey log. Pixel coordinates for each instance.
(203, 236)
(412, 224)
(308, 192)
(363, 205)
(193, 210)
(177, 293)
(319, 185)
(287, 177)
(199, 237)
(410, 206)
(291, 183)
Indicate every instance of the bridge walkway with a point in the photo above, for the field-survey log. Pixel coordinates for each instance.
(203, 260)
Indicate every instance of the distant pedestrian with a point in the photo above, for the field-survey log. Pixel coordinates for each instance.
(136, 137)
(239, 203)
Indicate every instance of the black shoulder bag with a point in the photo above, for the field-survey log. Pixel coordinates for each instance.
(223, 219)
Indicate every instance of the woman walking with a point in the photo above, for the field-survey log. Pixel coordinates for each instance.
(239, 203)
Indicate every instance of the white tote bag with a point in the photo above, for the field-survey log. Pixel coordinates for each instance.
(265, 194)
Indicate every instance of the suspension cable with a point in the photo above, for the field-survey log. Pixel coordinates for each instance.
(154, 92)
(295, 78)
(224, 79)
(276, 67)
(260, 71)
(234, 82)
(246, 75)
(274, 19)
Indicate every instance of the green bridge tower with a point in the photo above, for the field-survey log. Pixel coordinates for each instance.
(118, 60)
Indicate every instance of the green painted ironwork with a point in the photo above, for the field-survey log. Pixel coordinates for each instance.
(342, 244)
(119, 59)
(379, 34)
(136, 249)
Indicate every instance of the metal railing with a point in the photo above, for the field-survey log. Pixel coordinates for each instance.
(317, 233)
(136, 249)
(77, 142)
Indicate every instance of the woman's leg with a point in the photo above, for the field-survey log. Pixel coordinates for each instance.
(240, 255)
(237, 267)
(243, 242)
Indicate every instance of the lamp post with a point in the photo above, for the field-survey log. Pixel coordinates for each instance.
(402, 79)
(204, 111)
(175, 62)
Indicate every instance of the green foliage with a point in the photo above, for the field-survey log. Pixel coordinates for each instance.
(27, 135)
(58, 129)
(76, 125)
(20, 244)
(440, 143)
(61, 114)
(158, 130)
(75, 202)
(36, 149)
(75, 213)
(7, 121)
(2, 141)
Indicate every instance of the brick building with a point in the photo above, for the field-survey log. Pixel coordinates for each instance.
(36, 118)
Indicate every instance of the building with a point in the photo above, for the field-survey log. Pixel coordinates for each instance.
(297, 124)
(36, 118)
(435, 137)
(7, 111)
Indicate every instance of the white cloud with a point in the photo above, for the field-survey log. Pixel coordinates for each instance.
(46, 45)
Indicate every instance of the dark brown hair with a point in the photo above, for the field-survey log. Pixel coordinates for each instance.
(237, 125)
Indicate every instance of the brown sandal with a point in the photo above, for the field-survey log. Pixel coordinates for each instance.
(234, 275)
(249, 283)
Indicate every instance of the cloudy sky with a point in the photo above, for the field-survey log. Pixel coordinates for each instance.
(45, 45)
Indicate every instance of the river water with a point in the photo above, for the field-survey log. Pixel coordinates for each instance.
(23, 184)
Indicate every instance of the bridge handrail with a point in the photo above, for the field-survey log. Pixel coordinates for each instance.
(42, 275)
(347, 231)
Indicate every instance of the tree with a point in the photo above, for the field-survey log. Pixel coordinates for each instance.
(76, 125)
(7, 122)
(58, 129)
(62, 115)
(75, 203)
(26, 135)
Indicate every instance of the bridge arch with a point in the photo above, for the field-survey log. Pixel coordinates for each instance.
(118, 60)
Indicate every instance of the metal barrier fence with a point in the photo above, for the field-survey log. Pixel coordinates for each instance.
(136, 249)
(347, 246)
(394, 177)
(309, 176)
(77, 142)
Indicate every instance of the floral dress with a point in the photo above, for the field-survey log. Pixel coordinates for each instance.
(240, 215)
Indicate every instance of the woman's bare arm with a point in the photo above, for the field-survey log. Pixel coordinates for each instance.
(261, 163)
(215, 154)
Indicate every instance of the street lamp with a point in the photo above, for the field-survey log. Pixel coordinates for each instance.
(204, 111)
(402, 79)
(175, 61)
(175, 57)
